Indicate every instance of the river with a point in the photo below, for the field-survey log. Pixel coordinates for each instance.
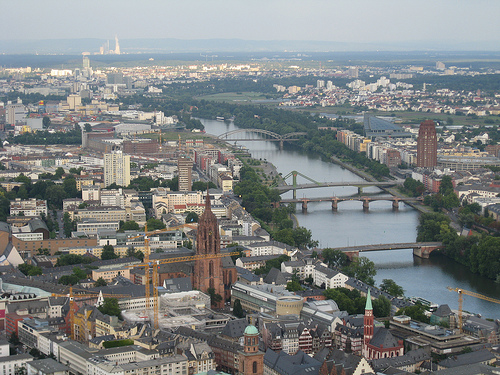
(350, 226)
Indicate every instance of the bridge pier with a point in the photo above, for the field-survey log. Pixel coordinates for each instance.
(335, 205)
(395, 204)
(424, 251)
(281, 145)
(366, 204)
(304, 206)
(360, 190)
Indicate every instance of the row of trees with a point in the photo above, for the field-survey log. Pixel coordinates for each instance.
(480, 253)
(258, 199)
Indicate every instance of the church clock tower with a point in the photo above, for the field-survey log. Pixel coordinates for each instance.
(208, 272)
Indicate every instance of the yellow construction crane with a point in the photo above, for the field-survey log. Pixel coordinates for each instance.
(461, 292)
(72, 303)
(158, 231)
(147, 264)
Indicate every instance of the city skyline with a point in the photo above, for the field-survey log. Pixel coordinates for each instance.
(385, 22)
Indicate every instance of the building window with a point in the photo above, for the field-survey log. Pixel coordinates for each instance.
(254, 367)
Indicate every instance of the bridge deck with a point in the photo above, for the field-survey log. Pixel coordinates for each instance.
(334, 184)
(343, 199)
(388, 246)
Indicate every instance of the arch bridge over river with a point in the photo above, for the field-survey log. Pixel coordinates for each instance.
(269, 136)
(420, 249)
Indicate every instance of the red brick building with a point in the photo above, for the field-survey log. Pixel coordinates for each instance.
(427, 145)
(251, 361)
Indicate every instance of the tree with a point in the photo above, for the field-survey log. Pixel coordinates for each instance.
(100, 282)
(14, 339)
(294, 286)
(59, 172)
(238, 309)
(381, 307)
(335, 258)
(215, 298)
(29, 269)
(128, 225)
(390, 286)
(155, 224)
(46, 122)
(362, 269)
(87, 127)
(202, 186)
(111, 307)
(55, 195)
(132, 252)
(192, 217)
(416, 312)
(108, 252)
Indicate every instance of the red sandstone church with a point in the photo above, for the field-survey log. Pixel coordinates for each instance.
(210, 273)
(378, 342)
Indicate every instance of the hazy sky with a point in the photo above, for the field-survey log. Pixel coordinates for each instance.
(328, 20)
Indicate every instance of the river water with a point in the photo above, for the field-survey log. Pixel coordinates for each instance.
(350, 226)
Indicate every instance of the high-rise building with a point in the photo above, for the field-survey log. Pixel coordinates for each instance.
(86, 62)
(208, 272)
(184, 167)
(116, 169)
(117, 46)
(427, 145)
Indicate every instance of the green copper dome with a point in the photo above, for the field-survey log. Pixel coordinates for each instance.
(251, 330)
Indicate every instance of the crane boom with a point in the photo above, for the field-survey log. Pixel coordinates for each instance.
(72, 304)
(187, 259)
(461, 292)
(156, 263)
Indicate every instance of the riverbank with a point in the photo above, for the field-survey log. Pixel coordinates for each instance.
(350, 225)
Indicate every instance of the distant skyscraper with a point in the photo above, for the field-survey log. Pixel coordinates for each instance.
(184, 167)
(86, 62)
(353, 72)
(117, 46)
(440, 66)
(116, 169)
(427, 145)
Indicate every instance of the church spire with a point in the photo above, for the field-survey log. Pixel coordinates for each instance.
(208, 206)
(368, 305)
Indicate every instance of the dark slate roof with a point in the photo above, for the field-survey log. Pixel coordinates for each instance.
(347, 362)
(410, 358)
(476, 369)
(180, 284)
(275, 277)
(99, 339)
(298, 364)
(383, 338)
(443, 311)
(467, 359)
(235, 328)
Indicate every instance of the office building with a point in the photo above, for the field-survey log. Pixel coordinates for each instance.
(184, 166)
(427, 145)
(117, 169)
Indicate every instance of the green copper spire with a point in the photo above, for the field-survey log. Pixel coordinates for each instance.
(368, 301)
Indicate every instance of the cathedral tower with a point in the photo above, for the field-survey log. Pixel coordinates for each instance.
(208, 272)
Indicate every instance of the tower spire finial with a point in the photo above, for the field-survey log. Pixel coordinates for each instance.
(207, 199)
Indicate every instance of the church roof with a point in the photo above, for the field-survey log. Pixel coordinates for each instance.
(235, 328)
(251, 330)
(383, 338)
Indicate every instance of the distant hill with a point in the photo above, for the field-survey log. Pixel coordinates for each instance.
(169, 45)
